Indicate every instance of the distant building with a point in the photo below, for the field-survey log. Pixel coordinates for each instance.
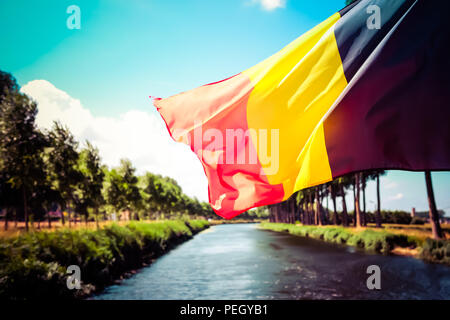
(425, 215)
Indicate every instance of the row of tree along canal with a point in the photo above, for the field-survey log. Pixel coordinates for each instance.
(46, 171)
(307, 207)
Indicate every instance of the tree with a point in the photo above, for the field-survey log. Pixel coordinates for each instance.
(21, 144)
(149, 191)
(434, 216)
(261, 212)
(300, 199)
(8, 85)
(44, 198)
(318, 206)
(375, 174)
(121, 190)
(9, 198)
(332, 191)
(343, 183)
(112, 190)
(129, 185)
(89, 191)
(363, 179)
(206, 210)
(357, 199)
(63, 161)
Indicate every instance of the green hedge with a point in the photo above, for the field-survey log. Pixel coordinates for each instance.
(34, 265)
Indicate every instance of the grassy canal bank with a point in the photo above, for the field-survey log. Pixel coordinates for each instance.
(34, 265)
(381, 241)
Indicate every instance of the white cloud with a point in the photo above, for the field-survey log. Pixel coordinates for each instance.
(270, 5)
(398, 196)
(139, 136)
(390, 185)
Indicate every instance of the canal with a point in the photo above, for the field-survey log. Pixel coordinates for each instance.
(241, 261)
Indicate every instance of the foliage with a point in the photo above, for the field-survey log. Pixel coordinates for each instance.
(89, 191)
(8, 85)
(34, 264)
(417, 221)
(121, 190)
(21, 147)
(43, 170)
(436, 251)
(378, 241)
(62, 159)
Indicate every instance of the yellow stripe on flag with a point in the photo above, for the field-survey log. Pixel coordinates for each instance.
(293, 90)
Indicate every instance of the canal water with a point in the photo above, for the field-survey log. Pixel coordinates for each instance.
(241, 261)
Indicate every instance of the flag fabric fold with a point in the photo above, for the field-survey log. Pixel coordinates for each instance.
(367, 88)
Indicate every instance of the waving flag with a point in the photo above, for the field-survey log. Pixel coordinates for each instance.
(367, 88)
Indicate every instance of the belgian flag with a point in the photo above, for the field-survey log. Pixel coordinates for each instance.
(368, 88)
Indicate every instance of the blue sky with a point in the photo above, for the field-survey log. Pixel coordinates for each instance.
(135, 48)
(127, 50)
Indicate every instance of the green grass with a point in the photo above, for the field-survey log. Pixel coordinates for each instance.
(378, 241)
(436, 251)
(34, 265)
(197, 225)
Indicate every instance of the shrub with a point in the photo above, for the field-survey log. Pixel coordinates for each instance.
(417, 221)
(34, 265)
(379, 241)
(436, 251)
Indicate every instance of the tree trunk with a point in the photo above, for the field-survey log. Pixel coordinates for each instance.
(378, 214)
(335, 213)
(333, 199)
(357, 208)
(344, 206)
(434, 216)
(63, 220)
(315, 205)
(307, 219)
(311, 211)
(25, 207)
(68, 216)
(318, 213)
(354, 203)
(310, 208)
(291, 211)
(49, 220)
(301, 212)
(364, 215)
(6, 218)
(322, 215)
(96, 219)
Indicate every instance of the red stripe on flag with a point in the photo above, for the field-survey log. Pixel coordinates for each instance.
(215, 111)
